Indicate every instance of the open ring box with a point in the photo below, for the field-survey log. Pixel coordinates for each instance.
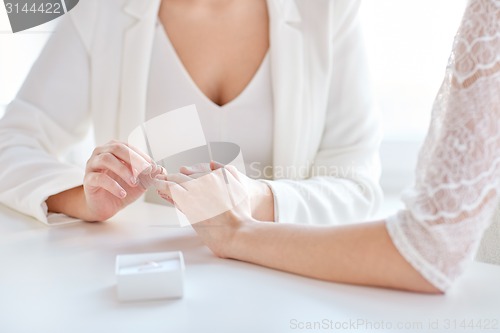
(150, 276)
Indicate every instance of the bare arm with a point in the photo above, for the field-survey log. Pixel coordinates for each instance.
(71, 202)
(361, 254)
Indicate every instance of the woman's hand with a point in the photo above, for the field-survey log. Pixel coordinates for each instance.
(259, 193)
(116, 175)
(216, 204)
(112, 178)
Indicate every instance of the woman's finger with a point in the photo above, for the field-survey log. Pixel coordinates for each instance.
(215, 165)
(233, 170)
(178, 178)
(162, 185)
(197, 168)
(145, 156)
(99, 180)
(108, 161)
(164, 188)
(159, 171)
(166, 197)
(198, 175)
(137, 163)
(147, 180)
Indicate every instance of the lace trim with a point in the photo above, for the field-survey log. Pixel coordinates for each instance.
(403, 244)
(478, 75)
(466, 182)
(440, 216)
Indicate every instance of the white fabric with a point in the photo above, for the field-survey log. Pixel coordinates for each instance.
(489, 249)
(247, 120)
(458, 172)
(94, 71)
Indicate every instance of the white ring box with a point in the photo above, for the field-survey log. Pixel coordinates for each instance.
(148, 276)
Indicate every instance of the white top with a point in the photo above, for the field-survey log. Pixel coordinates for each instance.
(457, 186)
(247, 120)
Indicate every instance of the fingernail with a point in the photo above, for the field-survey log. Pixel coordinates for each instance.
(133, 180)
(147, 167)
(123, 194)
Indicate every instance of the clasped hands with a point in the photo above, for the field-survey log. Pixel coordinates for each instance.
(204, 191)
(216, 199)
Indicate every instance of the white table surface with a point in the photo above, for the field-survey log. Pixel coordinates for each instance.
(61, 279)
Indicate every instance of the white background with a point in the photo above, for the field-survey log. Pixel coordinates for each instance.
(408, 43)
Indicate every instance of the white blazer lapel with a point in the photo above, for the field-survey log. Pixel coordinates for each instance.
(136, 55)
(287, 61)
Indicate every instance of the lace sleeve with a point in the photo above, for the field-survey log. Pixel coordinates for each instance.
(457, 176)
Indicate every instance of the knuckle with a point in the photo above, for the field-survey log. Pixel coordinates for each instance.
(87, 178)
(96, 151)
(106, 158)
(90, 178)
(114, 146)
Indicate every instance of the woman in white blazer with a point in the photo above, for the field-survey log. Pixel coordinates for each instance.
(94, 72)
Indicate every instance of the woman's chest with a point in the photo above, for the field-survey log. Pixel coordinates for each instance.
(220, 47)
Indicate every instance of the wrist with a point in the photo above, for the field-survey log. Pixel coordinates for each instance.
(71, 202)
(241, 238)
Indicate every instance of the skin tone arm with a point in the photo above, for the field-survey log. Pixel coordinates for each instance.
(361, 254)
(71, 203)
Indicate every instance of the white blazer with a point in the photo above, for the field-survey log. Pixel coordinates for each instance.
(94, 69)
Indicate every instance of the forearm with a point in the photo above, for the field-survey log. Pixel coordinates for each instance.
(360, 254)
(71, 202)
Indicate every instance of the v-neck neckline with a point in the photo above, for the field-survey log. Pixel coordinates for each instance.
(191, 81)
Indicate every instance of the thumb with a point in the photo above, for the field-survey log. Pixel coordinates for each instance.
(215, 165)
